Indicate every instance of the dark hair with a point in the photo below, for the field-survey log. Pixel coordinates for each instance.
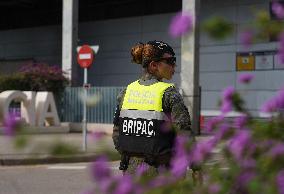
(151, 51)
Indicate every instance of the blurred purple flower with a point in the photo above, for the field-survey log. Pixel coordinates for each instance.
(228, 93)
(214, 188)
(248, 163)
(180, 143)
(10, 125)
(280, 182)
(269, 106)
(246, 38)
(244, 178)
(240, 121)
(245, 78)
(181, 24)
(275, 103)
(277, 150)
(141, 169)
(226, 106)
(223, 129)
(124, 185)
(97, 135)
(201, 150)
(159, 181)
(180, 160)
(227, 97)
(278, 10)
(179, 165)
(99, 169)
(211, 123)
(238, 143)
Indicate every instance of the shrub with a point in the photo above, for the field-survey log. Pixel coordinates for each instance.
(36, 77)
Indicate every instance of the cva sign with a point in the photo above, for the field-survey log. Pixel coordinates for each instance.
(37, 108)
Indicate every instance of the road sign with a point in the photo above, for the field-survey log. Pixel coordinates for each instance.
(85, 56)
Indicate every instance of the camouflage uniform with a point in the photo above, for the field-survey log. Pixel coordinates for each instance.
(172, 104)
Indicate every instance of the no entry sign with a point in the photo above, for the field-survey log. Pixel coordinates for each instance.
(85, 56)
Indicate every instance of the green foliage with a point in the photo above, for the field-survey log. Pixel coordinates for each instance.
(266, 27)
(35, 77)
(218, 28)
(63, 149)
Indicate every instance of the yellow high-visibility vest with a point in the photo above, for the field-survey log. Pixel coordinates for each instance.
(141, 97)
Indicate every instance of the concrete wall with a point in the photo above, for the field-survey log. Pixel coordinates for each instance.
(218, 58)
(113, 65)
(41, 44)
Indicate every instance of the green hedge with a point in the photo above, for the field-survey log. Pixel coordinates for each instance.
(35, 77)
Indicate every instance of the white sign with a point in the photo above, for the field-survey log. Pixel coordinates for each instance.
(85, 56)
(277, 62)
(37, 109)
(263, 62)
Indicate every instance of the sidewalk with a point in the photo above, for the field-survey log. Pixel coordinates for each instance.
(39, 146)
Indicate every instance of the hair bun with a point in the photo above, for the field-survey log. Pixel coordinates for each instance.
(136, 53)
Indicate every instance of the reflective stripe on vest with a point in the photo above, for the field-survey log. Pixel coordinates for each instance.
(143, 114)
(140, 97)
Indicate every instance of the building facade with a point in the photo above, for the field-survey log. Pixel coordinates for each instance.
(117, 27)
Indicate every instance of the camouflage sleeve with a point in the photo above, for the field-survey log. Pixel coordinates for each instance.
(115, 132)
(174, 106)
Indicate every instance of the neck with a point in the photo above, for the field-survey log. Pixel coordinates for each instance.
(147, 76)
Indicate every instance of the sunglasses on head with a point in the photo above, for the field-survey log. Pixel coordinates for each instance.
(169, 60)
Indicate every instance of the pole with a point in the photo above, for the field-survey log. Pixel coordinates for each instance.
(190, 64)
(85, 111)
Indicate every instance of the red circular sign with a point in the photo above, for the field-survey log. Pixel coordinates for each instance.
(85, 56)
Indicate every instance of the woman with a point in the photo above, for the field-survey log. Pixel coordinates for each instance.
(148, 110)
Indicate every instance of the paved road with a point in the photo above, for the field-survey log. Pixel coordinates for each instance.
(47, 179)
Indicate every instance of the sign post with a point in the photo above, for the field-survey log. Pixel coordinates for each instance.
(85, 59)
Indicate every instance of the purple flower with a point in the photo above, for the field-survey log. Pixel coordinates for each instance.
(277, 150)
(223, 129)
(124, 185)
(211, 123)
(275, 103)
(227, 97)
(201, 150)
(97, 135)
(228, 92)
(278, 10)
(180, 143)
(214, 188)
(238, 143)
(280, 182)
(244, 178)
(99, 169)
(248, 163)
(240, 121)
(269, 106)
(226, 106)
(245, 78)
(141, 169)
(180, 161)
(10, 125)
(179, 165)
(159, 181)
(246, 38)
(181, 23)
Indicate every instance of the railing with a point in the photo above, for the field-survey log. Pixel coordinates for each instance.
(102, 111)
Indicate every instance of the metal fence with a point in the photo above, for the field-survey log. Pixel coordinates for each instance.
(101, 108)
